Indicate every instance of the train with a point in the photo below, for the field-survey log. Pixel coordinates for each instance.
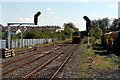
(76, 37)
(111, 40)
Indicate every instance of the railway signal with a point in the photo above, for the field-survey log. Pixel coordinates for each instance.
(88, 23)
(88, 27)
(36, 17)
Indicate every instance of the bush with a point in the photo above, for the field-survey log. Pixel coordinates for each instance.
(92, 40)
(85, 39)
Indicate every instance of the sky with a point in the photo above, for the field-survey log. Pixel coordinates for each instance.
(119, 9)
(57, 12)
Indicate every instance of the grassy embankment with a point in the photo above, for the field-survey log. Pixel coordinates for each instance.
(92, 64)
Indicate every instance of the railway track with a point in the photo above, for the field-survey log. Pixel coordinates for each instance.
(66, 58)
(26, 51)
(29, 49)
(63, 64)
(34, 66)
(26, 56)
(28, 62)
(44, 64)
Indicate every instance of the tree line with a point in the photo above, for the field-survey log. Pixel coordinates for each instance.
(101, 26)
(107, 24)
(36, 34)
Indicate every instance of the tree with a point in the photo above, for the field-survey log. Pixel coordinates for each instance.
(17, 36)
(115, 25)
(103, 24)
(69, 28)
(4, 35)
(0, 35)
(29, 35)
(95, 33)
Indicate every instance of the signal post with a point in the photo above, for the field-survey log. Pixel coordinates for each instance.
(88, 27)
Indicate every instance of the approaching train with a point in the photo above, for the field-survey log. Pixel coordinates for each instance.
(76, 37)
(111, 40)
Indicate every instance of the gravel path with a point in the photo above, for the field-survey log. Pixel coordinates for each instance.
(70, 70)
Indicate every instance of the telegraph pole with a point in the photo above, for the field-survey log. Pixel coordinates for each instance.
(9, 36)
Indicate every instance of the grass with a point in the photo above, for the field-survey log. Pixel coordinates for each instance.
(103, 63)
(20, 49)
(88, 60)
(85, 61)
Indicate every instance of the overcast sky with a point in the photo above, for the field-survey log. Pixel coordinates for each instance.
(57, 12)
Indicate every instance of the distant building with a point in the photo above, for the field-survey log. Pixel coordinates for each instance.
(59, 29)
(17, 29)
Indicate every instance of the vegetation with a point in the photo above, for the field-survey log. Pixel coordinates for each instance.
(101, 23)
(107, 24)
(0, 34)
(32, 34)
(115, 25)
(91, 65)
(95, 34)
(91, 61)
(69, 28)
(102, 26)
(4, 35)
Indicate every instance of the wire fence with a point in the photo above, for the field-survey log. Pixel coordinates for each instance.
(19, 43)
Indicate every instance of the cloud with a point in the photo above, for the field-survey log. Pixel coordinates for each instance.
(102, 16)
(86, 1)
(41, 20)
(59, 0)
(1, 13)
(49, 9)
(57, 17)
(112, 5)
(21, 19)
(53, 23)
(52, 12)
(81, 1)
(20, 10)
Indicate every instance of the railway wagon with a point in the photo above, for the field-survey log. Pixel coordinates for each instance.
(76, 37)
(111, 40)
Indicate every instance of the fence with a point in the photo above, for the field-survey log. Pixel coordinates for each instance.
(19, 43)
